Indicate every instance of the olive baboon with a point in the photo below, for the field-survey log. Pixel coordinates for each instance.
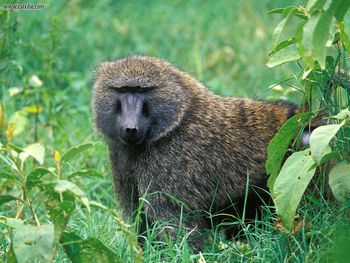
(170, 136)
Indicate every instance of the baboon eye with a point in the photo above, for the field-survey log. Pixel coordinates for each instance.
(137, 89)
(145, 109)
(118, 107)
(124, 89)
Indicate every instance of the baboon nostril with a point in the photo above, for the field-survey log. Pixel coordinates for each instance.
(131, 131)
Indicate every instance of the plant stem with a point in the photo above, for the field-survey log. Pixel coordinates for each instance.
(33, 212)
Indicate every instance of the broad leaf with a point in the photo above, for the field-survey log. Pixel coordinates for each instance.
(343, 114)
(290, 185)
(314, 35)
(10, 255)
(276, 11)
(35, 150)
(11, 222)
(6, 198)
(86, 173)
(281, 45)
(281, 26)
(320, 138)
(72, 152)
(339, 181)
(35, 81)
(305, 39)
(9, 175)
(21, 122)
(341, 9)
(33, 243)
(343, 35)
(313, 96)
(64, 185)
(89, 250)
(59, 210)
(315, 4)
(285, 11)
(283, 56)
(10, 163)
(279, 144)
(34, 177)
(320, 37)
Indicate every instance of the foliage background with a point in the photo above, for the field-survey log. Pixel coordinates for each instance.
(223, 43)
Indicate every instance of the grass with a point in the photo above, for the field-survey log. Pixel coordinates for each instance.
(222, 43)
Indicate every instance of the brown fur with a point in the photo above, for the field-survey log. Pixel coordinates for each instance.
(201, 147)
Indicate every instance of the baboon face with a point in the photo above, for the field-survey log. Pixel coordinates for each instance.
(133, 104)
(124, 115)
(132, 120)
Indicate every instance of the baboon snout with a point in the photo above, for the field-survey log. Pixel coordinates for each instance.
(131, 131)
(131, 134)
(130, 123)
(131, 119)
(130, 126)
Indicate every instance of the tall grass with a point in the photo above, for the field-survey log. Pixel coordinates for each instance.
(223, 43)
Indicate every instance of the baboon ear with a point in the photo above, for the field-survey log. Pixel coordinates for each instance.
(167, 112)
(167, 121)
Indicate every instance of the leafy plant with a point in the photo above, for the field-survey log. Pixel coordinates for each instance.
(319, 41)
(50, 196)
(46, 62)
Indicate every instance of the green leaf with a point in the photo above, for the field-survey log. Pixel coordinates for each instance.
(290, 11)
(64, 185)
(312, 38)
(306, 72)
(59, 210)
(276, 11)
(341, 9)
(339, 181)
(71, 245)
(89, 250)
(86, 173)
(21, 122)
(344, 114)
(284, 10)
(11, 222)
(10, 163)
(313, 96)
(72, 152)
(9, 175)
(34, 243)
(280, 143)
(34, 177)
(320, 36)
(343, 35)
(320, 138)
(6, 198)
(314, 5)
(35, 81)
(283, 56)
(13, 91)
(282, 44)
(330, 156)
(305, 42)
(10, 255)
(35, 150)
(290, 185)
